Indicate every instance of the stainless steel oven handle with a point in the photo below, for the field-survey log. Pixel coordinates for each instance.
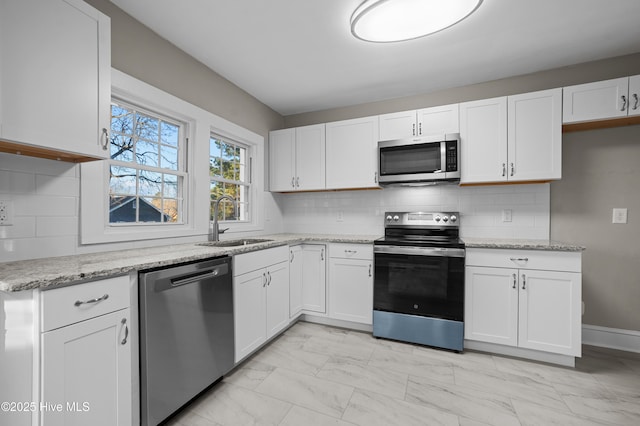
(420, 251)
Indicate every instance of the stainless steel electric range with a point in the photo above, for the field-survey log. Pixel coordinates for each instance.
(419, 280)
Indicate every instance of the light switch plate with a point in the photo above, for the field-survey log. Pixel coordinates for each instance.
(619, 216)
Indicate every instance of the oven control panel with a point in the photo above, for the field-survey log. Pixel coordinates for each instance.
(448, 219)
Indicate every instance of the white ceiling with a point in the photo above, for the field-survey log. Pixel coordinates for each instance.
(299, 55)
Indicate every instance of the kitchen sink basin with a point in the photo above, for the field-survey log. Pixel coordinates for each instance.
(235, 243)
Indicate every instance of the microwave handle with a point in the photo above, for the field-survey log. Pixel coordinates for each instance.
(443, 157)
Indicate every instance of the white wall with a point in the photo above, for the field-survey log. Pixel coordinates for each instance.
(46, 200)
(480, 208)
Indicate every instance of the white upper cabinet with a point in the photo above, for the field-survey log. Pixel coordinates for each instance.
(483, 140)
(297, 159)
(512, 139)
(55, 76)
(352, 153)
(422, 122)
(535, 136)
(616, 98)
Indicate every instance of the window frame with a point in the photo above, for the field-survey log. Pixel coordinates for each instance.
(182, 171)
(200, 124)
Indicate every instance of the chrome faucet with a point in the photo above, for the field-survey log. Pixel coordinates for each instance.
(214, 230)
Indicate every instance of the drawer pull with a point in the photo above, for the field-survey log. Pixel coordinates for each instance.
(99, 299)
(126, 331)
(519, 259)
(351, 251)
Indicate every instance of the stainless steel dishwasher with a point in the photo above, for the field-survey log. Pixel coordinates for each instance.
(186, 334)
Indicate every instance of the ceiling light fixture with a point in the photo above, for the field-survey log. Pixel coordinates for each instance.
(385, 21)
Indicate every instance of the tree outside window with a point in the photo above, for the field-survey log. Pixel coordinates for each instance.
(229, 175)
(145, 174)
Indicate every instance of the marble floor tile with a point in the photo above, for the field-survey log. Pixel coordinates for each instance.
(342, 349)
(316, 394)
(531, 415)
(299, 416)
(389, 383)
(477, 404)
(250, 374)
(510, 385)
(292, 359)
(230, 405)
(372, 409)
(319, 375)
(412, 363)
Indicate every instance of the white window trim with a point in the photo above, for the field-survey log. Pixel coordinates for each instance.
(94, 187)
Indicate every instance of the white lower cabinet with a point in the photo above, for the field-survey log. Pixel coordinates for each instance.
(524, 299)
(307, 279)
(260, 298)
(351, 282)
(86, 376)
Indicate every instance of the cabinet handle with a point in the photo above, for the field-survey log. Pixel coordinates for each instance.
(322, 254)
(99, 299)
(105, 137)
(375, 177)
(351, 251)
(414, 129)
(624, 103)
(126, 331)
(369, 270)
(635, 101)
(524, 281)
(513, 170)
(264, 279)
(292, 256)
(515, 278)
(298, 182)
(420, 129)
(519, 259)
(504, 169)
(293, 182)
(269, 278)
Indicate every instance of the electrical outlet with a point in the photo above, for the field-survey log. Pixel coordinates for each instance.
(6, 212)
(340, 217)
(507, 215)
(619, 216)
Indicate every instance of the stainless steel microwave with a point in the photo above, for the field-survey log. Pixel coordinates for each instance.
(424, 160)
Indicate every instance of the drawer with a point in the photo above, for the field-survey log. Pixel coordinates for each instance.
(61, 306)
(351, 251)
(254, 260)
(525, 259)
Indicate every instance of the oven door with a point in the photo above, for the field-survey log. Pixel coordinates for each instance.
(419, 281)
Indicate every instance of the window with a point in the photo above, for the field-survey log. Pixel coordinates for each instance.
(146, 167)
(229, 173)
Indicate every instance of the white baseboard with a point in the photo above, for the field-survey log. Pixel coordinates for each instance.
(614, 338)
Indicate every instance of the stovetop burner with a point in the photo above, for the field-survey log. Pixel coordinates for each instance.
(421, 229)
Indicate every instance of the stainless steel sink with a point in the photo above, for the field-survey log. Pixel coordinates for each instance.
(235, 243)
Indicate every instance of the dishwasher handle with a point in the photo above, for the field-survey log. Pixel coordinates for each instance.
(216, 272)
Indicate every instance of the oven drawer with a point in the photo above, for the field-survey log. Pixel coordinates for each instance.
(351, 251)
(525, 259)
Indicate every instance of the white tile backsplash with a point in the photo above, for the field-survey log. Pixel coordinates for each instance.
(46, 193)
(480, 209)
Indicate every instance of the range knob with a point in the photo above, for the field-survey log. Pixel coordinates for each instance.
(396, 218)
(437, 218)
(389, 218)
(445, 219)
(454, 218)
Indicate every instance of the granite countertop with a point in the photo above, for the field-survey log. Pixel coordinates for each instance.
(520, 244)
(58, 271)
